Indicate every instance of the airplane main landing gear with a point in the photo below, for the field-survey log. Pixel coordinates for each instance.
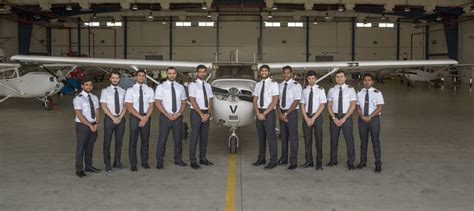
(233, 142)
(47, 102)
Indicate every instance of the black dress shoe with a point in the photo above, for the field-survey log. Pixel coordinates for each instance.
(259, 163)
(146, 166)
(361, 166)
(92, 170)
(159, 165)
(350, 166)
(292, 167)
(206, 162)
(180, 163)
(194, 165)
(108, 169)
(80, 174)
(281, 162)
(134, 168)
(331, 163)
(118, 165)
(307, 165)
(271, 165)
(319, 166)
(95, 169)
(378, 169)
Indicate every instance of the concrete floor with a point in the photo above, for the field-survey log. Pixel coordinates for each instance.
(427, 152)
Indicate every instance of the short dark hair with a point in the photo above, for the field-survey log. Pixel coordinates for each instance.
(170, 68)
(140, 71)
(116, 73)
(201, 66)
(311, 73)
(87, 79)
(287, 67)
(264, 66)
(368, 75)
(341, 71)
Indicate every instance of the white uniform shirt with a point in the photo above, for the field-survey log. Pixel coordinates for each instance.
(196, 91)
(108, 96)
(133, 96)
(319, 96)
(348, 95)
(163, 92)
(293, 92)
(81, 102)
(271, 89)
(375, 98)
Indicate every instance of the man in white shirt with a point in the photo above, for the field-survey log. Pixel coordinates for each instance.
(341, 104)
(312, 105)
(139, 102)
(265, 99)
(200, 96)
(170, 99)
(86, 108)
(112, 101)
(288, 107)
(369, 107)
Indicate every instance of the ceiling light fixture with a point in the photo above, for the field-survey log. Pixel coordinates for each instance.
(135, 7)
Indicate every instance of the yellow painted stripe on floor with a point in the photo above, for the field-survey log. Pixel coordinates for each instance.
(230, 193)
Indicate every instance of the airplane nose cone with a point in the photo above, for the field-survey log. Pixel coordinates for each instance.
(51, 79)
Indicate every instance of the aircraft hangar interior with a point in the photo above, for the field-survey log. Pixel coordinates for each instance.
(236, 105)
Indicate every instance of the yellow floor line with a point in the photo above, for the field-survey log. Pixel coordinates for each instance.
(230, 193)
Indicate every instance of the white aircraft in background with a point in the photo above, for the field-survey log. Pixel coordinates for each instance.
(233, 83)
(429, 75)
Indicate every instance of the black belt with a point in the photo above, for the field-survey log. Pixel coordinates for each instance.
(203, 111)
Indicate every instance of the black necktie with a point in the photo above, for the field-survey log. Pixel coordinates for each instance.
(91, 106)
(205, 95)
(116, 99)
(366, 103)
(140, 102)
(173, 100)
(261, 93)
(283, 96)
(339, 103)
(310, 102)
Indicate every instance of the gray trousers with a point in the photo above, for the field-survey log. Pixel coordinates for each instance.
(266, 129)
(165, 126)
(199, 131)
(372, 128)
(85, 140)
(109, 129)
(348, 136)
(317, 128)
(144, 133)
(289, 133)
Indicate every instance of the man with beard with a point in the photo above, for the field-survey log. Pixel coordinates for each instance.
(200, 96)
(170, 99)
(86, 107)
(112, 102)
(139, 102)
(265, 99)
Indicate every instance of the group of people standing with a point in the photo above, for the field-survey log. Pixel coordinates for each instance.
(270, 100)
(139, 100)
(289, 98)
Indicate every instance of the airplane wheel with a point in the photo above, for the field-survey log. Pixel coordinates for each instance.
(233, 144)
(47, 104)
(185, 130)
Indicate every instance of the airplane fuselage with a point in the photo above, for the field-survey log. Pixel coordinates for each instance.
(30, 85)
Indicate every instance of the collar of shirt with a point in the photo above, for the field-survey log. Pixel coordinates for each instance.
(289, 81)
(84, 93)
(199, 81)
(314, 86)
(343, 86)
(169, 82)
(371, 89)
(267, 79)
(113, 87)
(138, 85)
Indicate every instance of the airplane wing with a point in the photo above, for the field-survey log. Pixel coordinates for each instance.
(181, 66)
(358, 66)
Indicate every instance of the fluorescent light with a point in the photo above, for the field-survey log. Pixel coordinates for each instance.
(295, 24)
(386, 25)
(208, 24)
(92, 23)
(112, 23)
(187, 23)
(363, 25)
(272, 24)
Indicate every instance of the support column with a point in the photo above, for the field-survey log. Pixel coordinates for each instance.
(353, 38)
(125, 37)
(307, 39)
(171, 39)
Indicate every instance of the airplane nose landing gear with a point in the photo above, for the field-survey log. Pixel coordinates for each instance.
(233, 142)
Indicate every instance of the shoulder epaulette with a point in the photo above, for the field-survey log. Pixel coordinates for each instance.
(349, 86)
(80, 95)
(295, 82)
(376, 91)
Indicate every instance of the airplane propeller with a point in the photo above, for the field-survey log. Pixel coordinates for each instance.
(57, 78)
(234, 92)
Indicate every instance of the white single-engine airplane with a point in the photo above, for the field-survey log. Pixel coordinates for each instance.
(233, 83)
